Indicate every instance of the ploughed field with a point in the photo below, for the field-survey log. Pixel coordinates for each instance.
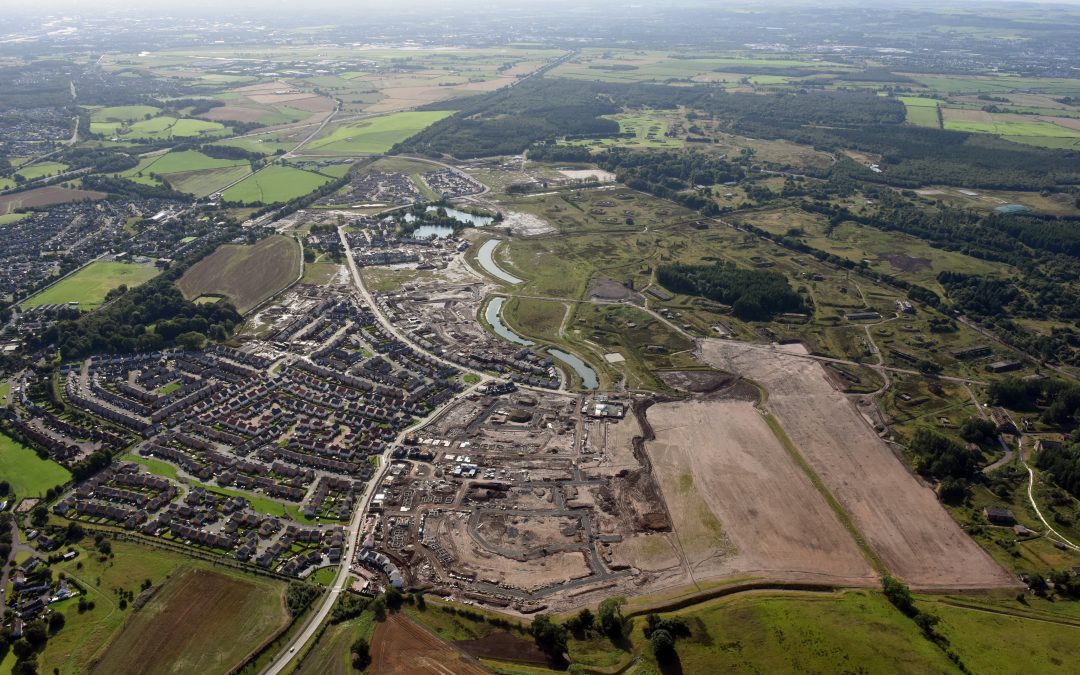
(201, 621)
(901, 519)
(740, 503)
(245, 275)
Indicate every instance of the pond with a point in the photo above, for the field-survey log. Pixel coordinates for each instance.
(493, 314)
(587, 374)
(429, 231)
(486, 261)
(471, 219)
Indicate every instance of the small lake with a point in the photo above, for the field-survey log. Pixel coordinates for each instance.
(488, 263)
(429, 231)
(493, 314)
(587, 374)
(474, 220)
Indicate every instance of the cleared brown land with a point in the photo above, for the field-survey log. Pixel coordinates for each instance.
(246, 275)
(400, 647)
(739, 502)
(1067, 122)
(45, 196)
(200, 622)
(900, 518)
(967, 115)
(234, 113)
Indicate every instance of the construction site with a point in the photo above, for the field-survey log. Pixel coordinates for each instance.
(519, 499)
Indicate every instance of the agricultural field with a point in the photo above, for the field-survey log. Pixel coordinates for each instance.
(922, 112)
(850, 631)
(164, 127)
(401, 647)
(741, 505)
(273, 185)
(28, 474)
(330, 654)
(184, 161)
(611, 65)
(87, 633)
(45, 196)
(188, 171)
(122, 113)
(91, 284)
(41, 170)
(380, 80)
(1021, 128)
(902, 521)
(374, 135)
(245, 275)
(270, 104)
(202, 620)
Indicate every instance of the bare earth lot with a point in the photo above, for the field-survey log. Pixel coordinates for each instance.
(400, 647)
(246, 275)
(739, 502)
(900, 518)
(46, 196)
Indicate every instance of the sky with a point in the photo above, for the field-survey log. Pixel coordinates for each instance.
(385, 6)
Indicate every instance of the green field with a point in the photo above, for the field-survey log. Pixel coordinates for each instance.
(160, 128)
(180, 162)
(1009, 127)
(89, 285)
(188, 171)
(375, 135)
(330, 654)
(320, 273)
(41, 169)
(267, 144)
(123, 113)
(614, 65)
(273, 185)
(855, 631)
(649, 129)
(202, 620)
(9, 218)
(921, 112)
(86, 633)
(28, 474)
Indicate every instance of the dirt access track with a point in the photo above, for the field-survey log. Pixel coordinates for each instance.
(901, 519)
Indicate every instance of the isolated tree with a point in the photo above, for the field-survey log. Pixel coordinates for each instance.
(550, 637)
(39, 516)
(611, 618)
(56, 622)
(663, 645)
(361, 653)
